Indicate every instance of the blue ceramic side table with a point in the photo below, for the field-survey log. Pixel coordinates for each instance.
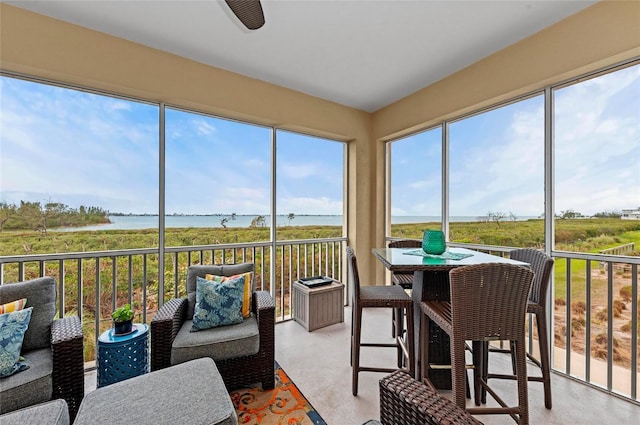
(122, 357)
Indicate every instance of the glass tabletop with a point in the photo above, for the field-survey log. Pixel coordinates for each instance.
(399, 259)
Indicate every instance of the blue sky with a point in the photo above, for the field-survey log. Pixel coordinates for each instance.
(79, 148)
(497, 157)
(85, 149)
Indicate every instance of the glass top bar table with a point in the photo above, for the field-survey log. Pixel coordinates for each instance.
(431, 282)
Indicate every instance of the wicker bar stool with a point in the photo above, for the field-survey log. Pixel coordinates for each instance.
(541, 264)
(404, 279)
(488, 302)
(378, 297)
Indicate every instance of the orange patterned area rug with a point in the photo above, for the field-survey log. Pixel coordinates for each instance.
(283, 405)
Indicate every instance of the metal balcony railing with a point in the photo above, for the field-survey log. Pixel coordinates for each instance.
(93, 284)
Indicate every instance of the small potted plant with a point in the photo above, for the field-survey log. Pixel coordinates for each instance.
(122, 320)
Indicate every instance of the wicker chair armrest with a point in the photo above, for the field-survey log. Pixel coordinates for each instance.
(265, 311)
(65, 330)
(264, 308)
(67, 350)
(164, 328)
(405, 401)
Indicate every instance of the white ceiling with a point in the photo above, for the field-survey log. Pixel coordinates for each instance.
(361, 53)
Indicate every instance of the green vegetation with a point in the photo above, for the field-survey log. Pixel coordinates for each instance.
(584, 235)
(122, 314)
(576, 235)
(581, 235)
(34, 216)
(30, 242)
(120, 278)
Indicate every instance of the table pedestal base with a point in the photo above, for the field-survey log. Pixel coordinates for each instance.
(428, 286)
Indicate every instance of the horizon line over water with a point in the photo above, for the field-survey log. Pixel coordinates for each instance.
(134, 222)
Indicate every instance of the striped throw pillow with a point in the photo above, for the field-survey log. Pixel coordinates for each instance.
(13, 306)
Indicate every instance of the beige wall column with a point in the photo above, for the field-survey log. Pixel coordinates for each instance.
(362, 199)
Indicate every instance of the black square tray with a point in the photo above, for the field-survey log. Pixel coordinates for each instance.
(314, 281)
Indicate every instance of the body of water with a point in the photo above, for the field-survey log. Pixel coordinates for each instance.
(127, 222)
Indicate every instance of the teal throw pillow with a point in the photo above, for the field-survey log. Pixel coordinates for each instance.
(12, 329)
(218, 303)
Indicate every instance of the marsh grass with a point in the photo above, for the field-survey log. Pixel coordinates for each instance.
(582, 235)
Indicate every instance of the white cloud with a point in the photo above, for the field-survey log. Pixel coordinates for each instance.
(598, 144)
(421, 184)
(118, 105)
(203, 127)
(300, 170)
(311, 206)
(74, 145)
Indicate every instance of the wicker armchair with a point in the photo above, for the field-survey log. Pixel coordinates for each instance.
(405, 401)
(53, 349)
(244, 353)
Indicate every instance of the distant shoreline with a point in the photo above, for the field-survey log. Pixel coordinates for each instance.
(140, 221)
(218, 215)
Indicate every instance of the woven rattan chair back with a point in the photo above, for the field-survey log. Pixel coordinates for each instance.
(542, 265)
(404, 279)
(354, 277)
(488, 302)
(405, 243)
(392, 297)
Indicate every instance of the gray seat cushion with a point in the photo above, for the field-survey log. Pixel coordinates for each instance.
(53, 412)
(190, 393)
(31, 386)
(224, 342)
(41, 295)
(202, 270)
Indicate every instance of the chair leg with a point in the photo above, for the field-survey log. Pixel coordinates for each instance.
(485, 370)
(512, 347)
(398, 327)
(355, 350)
(410, 341)
(477, 348)
(393, 322)
(424, 345)
(543, 341)
(458, 371)
(521, 372)
(353, 319)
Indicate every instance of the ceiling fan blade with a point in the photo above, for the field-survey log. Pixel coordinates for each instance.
(248, 11)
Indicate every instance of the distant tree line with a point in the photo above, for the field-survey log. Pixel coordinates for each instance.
(40, 217)
(499, 216)
(569, 214)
